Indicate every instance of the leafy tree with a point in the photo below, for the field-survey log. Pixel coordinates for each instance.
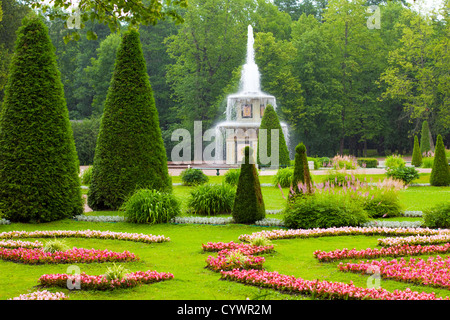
(416, 154)
(248, 203)
(38, 161)
(130, 153)
(440, 173)
(271, 122)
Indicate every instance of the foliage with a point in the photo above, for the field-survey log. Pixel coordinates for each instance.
(440, 174)
(248, 203)
(85, 133)
(344, 162)
(427, 162)
(55, 245)
(38, 162)
(438, 216)
(367, 162)
(406, 174)
(416, 160)
(301, 173)
(382, 203)
(425, 143)
(337, 177)
(211, 199)
(151, 206)
(192, 177)
(394, 161)
(283, 177)
(232, 176)
(271, 122)
(130, 152)
(86, 176)
(324, 210)
(116, 272)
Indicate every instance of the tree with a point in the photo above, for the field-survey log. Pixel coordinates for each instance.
(248, 203)
(130, 152)
(301, 179)
(416, 154)
(38, 162)
(440, 173)
(271, 122)
(425, 141)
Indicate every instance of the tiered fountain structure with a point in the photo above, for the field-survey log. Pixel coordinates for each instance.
(244, 112)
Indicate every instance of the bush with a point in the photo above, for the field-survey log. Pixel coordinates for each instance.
(425, 144)
(440, 174)
(39, 168)
(427, 162)
(325, 162)
(301, 174)
(438, 216)
(85, 135)
(338, 177)
(130, 151)
(344, 162)
(283, 177)
(367, 162)
(416, 160)
(382, 203)
(394, 161)
(211, 200)
(151, 206)
(56, 245)
(232, 176)
(248, 203)
(325, 210)
(86, 176)
(406, 174)
(193, 177)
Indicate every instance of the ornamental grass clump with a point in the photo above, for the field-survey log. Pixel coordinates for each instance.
(151, 206)
(55, 245)
(438, 216)
(283, 177)
(116, 272)
(232, 176)
(344, 162)
(212, 199)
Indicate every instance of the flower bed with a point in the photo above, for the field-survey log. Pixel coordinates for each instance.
(394, 251)
(431, 272)
(320, 289)
(234, 259)
(20, 244)
(75, 255)
(94, 234)
(41, 295)
(245, 248)
(100, 282)
(415, 240)
(343, 231)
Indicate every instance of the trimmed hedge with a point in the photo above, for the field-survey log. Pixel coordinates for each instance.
(369, 162)
(38, 162)
(130, 152)
(248, 203)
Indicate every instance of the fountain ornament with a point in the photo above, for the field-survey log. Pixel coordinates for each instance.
(244, 111)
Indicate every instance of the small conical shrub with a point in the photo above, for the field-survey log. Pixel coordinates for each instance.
(248, 203)
(270, 121)
(39, 167)
(440, 174)
(425, 144)
(130, 152)
(416, 154)
(301, 174)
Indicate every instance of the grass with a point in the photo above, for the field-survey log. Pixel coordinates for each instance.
(191, 280)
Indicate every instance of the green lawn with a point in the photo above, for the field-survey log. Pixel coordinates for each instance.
(191, 279)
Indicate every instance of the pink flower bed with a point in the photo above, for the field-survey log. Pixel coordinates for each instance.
(342, 231)
(41, 295)
(99, 282)
(20, 244)
(444, 237)
(137, 237)
(75, 255)
(431, 272)
(243, 247)
(320, 289)
(395, 251)
(226, 260)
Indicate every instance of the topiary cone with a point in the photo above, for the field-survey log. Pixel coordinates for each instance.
(440, 174)
(416, 155)
(39, 167)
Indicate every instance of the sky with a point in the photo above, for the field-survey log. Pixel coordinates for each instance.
(426, 4)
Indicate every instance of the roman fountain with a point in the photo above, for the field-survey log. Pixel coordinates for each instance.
(244, 112)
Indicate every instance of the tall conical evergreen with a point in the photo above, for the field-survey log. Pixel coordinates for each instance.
(130, 152)
(440, 174)
(39, 167)
(425, 144)
(416, 159)
(270, 121)
(301, 172)
(248, 203)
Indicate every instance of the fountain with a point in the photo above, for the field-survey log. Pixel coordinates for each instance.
(244, 112)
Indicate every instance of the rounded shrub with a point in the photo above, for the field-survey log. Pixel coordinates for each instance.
(438, 216)
(394, 161)
(440, 173)
(212, 199)
(325, 210)
(283, 177)
(130, 152)
(344, 162)
(406, 174)
(193, 177)
(382, 203)
(248, 204)
(232, 176)
(39, 168)
(151, 206)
